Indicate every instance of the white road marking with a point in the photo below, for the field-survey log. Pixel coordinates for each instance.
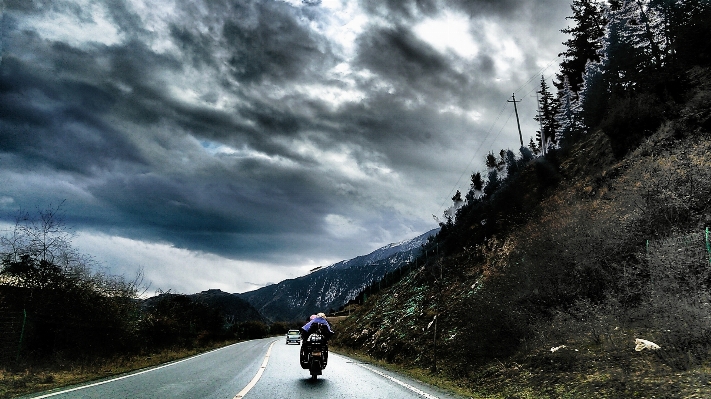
(256, 378)
(395, 380)
(125, 376)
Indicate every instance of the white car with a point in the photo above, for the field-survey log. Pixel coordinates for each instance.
(293, 336)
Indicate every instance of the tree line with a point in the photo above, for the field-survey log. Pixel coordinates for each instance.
(57, 303)
(623, 70)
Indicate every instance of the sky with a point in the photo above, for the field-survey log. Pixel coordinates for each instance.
(232, 144)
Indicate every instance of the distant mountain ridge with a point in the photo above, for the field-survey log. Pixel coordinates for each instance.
(334, 285)
(233, 308)
(229, 305)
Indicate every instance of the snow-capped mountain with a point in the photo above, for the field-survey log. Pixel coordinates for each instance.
(333, 286)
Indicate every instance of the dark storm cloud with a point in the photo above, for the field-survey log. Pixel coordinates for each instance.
(398, 55)
(399, 10)
(84, 110)
(43, 6)
(127, 21)
(197, 47)
(267, 41)
(246, 208)
(246, 128)
(58, 123)
(406, 10)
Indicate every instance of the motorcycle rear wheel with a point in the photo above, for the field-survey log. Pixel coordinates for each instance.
(315, 369)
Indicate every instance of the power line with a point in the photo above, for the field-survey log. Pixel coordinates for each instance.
(476, 152)
(488, 133)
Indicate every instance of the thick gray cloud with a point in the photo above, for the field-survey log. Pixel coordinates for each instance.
(271, 133)
(413, 9)
(406, 61)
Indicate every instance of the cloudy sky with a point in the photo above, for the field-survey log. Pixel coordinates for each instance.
(234, 143)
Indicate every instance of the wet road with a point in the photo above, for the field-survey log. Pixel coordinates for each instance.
(232, 371)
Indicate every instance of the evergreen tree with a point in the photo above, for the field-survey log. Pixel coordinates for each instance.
(533, 147)
(476, 187)
(593, 95)
(477, 183)
(547, 109)
(457, 198)
(644, 31)
(491, 161)
(450, 212)
(569, 116)
(677, 30)
(630, 48)
(492, 182)
(526, 154)
(502, 160)
(511, 163)
(584, 43)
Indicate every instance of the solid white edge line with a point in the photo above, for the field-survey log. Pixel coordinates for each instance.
(256, 378)
(128, 375)
(395, 380)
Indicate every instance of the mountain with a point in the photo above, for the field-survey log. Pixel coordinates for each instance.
(333, 286)
(230, 306)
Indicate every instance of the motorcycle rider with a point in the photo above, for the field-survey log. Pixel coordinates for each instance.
(318, 318)
(317, 324)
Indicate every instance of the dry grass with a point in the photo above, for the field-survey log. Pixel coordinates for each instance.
(592, 373)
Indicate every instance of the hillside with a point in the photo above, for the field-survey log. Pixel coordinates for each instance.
(333, 286)
(580, 255)
(230, 306)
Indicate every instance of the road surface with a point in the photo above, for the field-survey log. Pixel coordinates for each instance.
(259, 369)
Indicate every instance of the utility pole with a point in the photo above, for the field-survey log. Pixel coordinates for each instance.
(520, 136)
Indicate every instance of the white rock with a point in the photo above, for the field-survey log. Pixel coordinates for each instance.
(641, 344)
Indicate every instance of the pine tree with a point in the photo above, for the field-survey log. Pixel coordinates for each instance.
(457, 198)
(502, 160)
(644, 31)
(491, 161)
(476, 187)
(678, 30)
(477, 183)
(511, 163)
(526, 154)
(631, 46)
(584, 44)
(547, 109)
(451, 212)
(594, 93)
(533, 147)
(492, 182)
(569, 116)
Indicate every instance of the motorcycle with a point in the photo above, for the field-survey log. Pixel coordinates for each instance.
(314, 354)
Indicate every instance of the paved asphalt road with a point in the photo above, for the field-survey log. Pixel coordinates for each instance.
(227, 372)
